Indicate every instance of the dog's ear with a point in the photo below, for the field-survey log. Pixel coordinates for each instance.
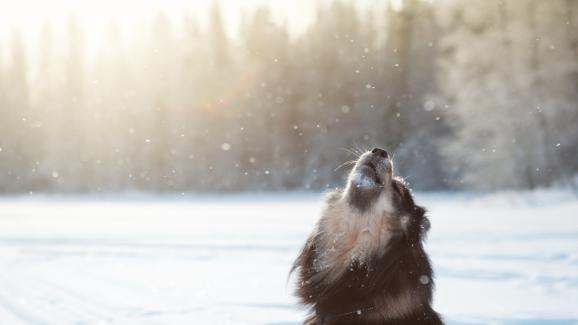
(417, 224)
(424, 224)
(405, 198)
(418, 211)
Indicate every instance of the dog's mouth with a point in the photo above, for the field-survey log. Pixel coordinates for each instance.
(371, 171)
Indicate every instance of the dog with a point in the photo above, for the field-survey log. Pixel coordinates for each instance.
(364, 262)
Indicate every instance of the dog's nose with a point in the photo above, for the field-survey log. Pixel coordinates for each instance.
(379, 152)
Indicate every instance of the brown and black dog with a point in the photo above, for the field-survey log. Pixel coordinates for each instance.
(365, 263)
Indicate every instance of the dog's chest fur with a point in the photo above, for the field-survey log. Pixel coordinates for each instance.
(348, 236)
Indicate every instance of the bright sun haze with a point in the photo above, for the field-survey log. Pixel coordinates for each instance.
(29, 16)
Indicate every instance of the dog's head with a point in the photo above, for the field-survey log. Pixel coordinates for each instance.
(370, 178)
(371, 185)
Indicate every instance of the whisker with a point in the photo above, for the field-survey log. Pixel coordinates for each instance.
(351, 152)
(350, 162)
(358, 149)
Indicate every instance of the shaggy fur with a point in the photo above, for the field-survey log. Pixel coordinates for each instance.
(364, 263)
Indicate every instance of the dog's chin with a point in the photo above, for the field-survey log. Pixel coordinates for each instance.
(369, 170)
(364, 187)
(367, 177)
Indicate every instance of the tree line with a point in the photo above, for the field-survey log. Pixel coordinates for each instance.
(466, 95)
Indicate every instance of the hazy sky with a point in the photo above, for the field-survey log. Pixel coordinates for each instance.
(29, 15)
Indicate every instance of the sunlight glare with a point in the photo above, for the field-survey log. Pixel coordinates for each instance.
(29, 16)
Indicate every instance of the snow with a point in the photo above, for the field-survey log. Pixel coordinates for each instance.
(506, 258)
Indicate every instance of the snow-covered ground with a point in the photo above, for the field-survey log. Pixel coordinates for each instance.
(499, 259)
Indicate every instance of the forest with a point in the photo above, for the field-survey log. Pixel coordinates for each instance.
(466, 95)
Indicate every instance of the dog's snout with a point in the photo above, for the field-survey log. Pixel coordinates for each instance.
(379, 152)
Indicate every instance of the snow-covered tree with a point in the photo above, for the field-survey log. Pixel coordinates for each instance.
(506, 76)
